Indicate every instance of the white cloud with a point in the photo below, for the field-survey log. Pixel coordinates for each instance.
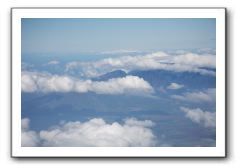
(196, 60)
(33, 82)
(28, 138)
(185, 62)
(203, 96)
(134, 121)
(207, 119)
(28, 83)
(128, 84)
(175, 86)
(53, 62)
(25, 123)
(97, 133)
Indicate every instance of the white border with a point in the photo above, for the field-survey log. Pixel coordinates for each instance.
(218, 151)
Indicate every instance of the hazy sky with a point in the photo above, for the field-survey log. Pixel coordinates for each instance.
(65, 36)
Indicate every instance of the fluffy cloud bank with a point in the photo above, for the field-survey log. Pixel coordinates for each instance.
(97, 133)
(203, 96)
(175, 86)
(207, 119)
(185, 62)
(33, 81)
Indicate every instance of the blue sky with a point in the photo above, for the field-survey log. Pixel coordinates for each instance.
(118, 82)
(68, 36)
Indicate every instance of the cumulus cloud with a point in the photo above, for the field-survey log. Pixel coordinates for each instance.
(34, 81)
(97, 133)
(28, 82)
(207, 119)
(175, 86)
(28, 138)
(183, 62)
(196, 60)
(202, 96)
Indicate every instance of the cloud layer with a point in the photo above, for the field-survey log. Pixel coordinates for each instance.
(33, 82)
(95, 132)
(204, 96)
(207, 119)
(185, 62)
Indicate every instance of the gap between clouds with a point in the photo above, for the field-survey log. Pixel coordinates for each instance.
(42, 82)
(94, 133)
(205, 118)
(189, 62)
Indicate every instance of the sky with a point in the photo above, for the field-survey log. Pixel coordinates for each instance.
(118, 82)
(68, 36)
